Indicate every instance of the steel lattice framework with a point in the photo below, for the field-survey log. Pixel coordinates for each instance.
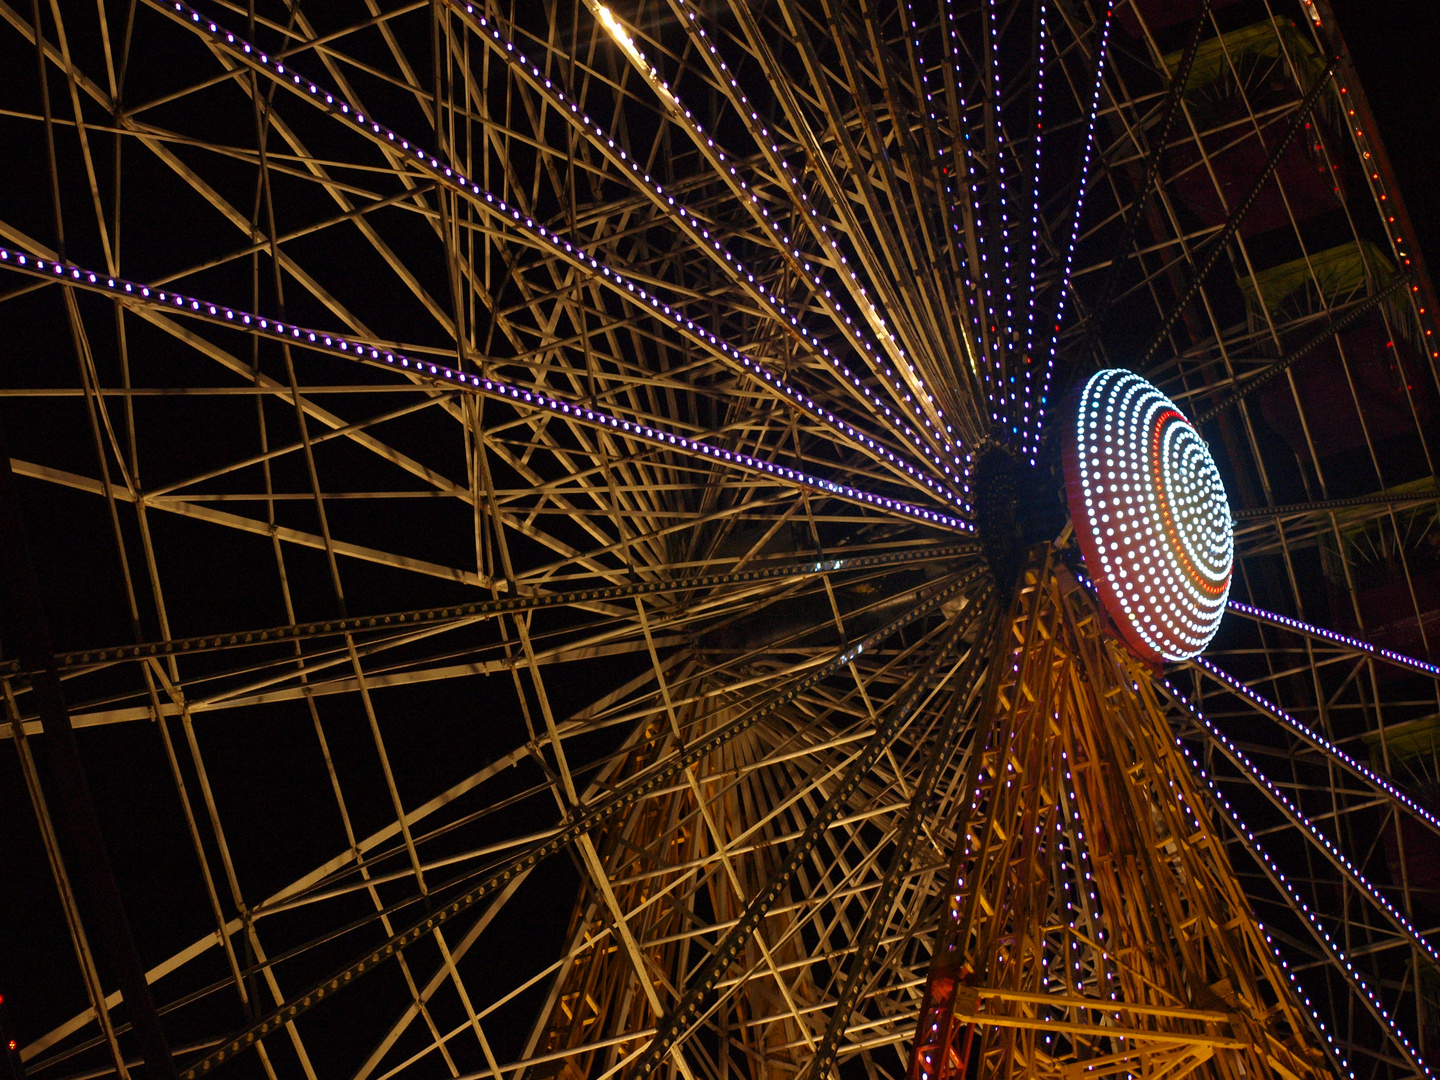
(528, 524)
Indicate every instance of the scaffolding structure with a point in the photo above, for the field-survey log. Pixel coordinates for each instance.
(512, 523)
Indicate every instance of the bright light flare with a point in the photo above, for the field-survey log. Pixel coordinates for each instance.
(622, 37)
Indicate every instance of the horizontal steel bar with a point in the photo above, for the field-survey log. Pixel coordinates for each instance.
(486, 608)
(585, 820)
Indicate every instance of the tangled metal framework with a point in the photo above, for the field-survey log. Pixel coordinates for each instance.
(526, 498)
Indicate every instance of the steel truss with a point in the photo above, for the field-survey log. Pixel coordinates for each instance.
(505, 483)
(1068, 945)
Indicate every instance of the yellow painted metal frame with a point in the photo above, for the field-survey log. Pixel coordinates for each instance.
(1095, 926)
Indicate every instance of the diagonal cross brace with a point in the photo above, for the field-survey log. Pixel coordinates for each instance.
(588, 819)
(1278, 368)
(688, 1008)
(869, 943)
(484, 608)
(1168, 118)
(1237, 216)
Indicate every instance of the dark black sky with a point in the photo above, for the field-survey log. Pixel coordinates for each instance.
(1395, 46)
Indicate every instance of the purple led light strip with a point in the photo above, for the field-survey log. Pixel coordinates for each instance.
(1278, 878)
(1375, 1006)
(709, 149)
(730, 86)
(176, 303)
(1001, 200)
(1225, 809)
(1034, 410)
(953, 53)
(1319, 742)
(1011, 391)
(990, 374)
(1192, 813)
(516, 59)
(574, 254)
(967, 342)
(1035, 188)
(1243, 762)
(1316, 631)
(1327, 747)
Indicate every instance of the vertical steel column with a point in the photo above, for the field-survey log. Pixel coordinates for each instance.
(23, 629)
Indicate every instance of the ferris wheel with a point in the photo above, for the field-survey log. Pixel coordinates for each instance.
(787, 539)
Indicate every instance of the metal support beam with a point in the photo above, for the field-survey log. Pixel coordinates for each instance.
(586, 820)
(688, 1008)
(1169, 115)
(877, 918)
(28, 637)
(1279, 367)
(1237, 216)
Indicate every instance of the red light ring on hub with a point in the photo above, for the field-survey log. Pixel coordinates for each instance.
(1150, 513)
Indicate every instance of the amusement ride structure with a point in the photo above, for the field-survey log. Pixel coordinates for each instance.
(747, 539)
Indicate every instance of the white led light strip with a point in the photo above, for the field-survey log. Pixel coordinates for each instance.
(1258, 779)
(170, 302)
(1151, 515)
(1324, 745)
(1400, 659)
(726, 170)
(1035, 411)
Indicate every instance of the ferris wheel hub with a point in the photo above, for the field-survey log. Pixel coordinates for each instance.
(1017, 505)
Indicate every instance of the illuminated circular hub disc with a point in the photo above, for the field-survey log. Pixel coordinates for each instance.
(1151, 515)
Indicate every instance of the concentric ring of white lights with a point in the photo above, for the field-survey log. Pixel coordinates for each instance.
(1151, 515)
